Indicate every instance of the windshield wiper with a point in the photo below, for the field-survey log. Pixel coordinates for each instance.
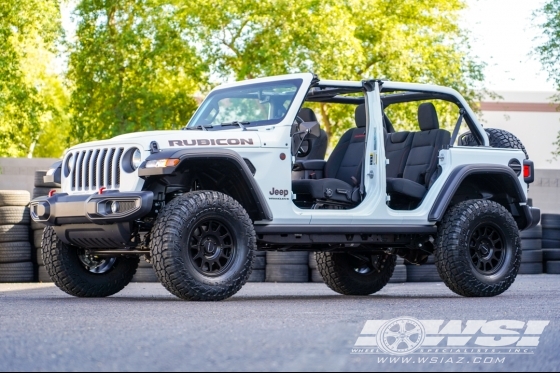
(236, 123)
(198, 128)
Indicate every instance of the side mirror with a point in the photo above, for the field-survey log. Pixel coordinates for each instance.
(312, 129)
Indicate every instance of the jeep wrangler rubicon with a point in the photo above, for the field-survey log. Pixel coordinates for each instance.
(248, 173)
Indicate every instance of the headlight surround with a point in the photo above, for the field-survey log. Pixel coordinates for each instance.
(132, 160)
(136, 159)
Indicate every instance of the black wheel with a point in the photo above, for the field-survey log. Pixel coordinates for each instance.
(84, 275)
(203, 246)
(498, 139)
(478, 249)
(356, 274)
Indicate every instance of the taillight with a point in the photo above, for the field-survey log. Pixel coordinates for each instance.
(528, 171)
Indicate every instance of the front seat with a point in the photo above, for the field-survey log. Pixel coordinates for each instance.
(422, 160)
(342, 170)
(318, 145)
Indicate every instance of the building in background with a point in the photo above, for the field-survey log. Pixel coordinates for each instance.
(536, 122)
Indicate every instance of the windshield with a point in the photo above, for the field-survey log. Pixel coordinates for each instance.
(254, 105)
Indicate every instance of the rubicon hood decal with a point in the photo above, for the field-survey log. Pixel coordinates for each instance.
(211, 142)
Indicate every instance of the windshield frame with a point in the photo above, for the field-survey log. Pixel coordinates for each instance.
(205, 108)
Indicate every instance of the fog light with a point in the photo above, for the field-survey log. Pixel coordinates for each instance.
(115, 207)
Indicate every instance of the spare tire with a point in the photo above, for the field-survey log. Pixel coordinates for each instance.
(14, 233)
(498, 139)
(16, 272)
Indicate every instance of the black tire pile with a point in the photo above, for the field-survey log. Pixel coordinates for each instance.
(287, 266)
(259, 267)
(41, 189)
(423, 273)
(15, 249)
(551, 243)
(532, 257)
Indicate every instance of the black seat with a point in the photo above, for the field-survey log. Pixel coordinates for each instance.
(318, 145)
(342, 170)
(397, 148)
(422, 160)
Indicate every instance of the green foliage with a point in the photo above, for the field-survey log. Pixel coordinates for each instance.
(405, 40)
(137, 64)
(548, 50)
(31, 94)
(132, 69)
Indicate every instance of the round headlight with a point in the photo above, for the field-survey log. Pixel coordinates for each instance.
(136, 159)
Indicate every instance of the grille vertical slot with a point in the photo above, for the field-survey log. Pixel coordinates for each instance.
(95, 168)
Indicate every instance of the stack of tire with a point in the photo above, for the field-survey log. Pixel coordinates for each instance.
(15, 249)
(287, 266)
(532, 257)
(259, 267)
(423, 273)
(551, 243)
(315, 274)
(400, 273)
(41, 189)
(145, 272)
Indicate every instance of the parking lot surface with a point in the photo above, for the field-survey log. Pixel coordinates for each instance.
(294, 327)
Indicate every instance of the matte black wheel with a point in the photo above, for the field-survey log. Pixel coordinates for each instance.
(478, 250)
(83, 275)
(356, 274)
(203, 246)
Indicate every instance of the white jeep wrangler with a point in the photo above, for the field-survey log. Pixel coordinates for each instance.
(248, 173)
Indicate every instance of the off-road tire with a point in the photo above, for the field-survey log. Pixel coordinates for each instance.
(175, 266)
(453, 257)
(337, 270)
(498, 139)
(14, 198)
(69, 274)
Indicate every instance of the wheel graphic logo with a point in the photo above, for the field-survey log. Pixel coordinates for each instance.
(401, 336)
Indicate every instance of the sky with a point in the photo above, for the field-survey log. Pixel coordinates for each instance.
(502, 35)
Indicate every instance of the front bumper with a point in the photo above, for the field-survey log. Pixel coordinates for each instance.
(63, 209)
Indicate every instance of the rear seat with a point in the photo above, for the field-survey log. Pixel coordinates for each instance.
(413, 156)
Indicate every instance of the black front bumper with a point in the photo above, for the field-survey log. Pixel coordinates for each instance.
(62, 209)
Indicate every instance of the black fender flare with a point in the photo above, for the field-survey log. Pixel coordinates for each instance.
(460, 174)
(227, 155)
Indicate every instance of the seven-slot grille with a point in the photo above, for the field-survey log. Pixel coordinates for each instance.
(95, 168)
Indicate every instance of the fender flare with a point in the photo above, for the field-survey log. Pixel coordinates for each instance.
(459, 174)
(186, 155)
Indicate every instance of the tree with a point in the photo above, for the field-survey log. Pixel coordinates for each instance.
(131, 68)
(405, 40)
(29, 32)
(548, 50)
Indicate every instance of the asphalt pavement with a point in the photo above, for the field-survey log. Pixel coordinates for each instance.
(273, 327)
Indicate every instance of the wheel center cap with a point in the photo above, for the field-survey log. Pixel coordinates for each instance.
(484, 250)
(210, 247)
